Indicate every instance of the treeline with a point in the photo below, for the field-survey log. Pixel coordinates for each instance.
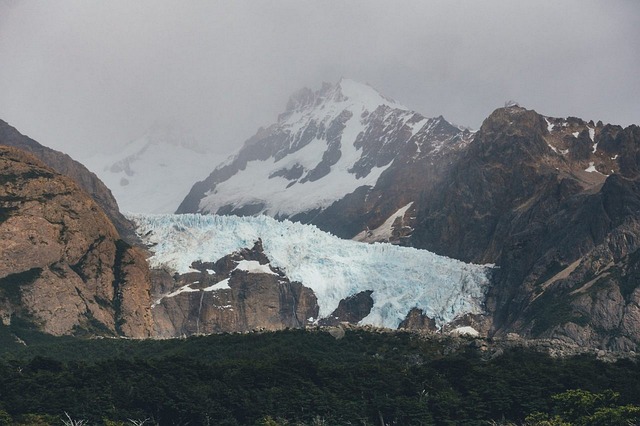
(294, 377)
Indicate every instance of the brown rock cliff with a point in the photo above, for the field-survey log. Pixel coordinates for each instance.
(65, 165)
(63, 266)
(223, 298)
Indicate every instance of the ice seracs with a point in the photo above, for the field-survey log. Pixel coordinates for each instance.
(254, 267)
(401, 278)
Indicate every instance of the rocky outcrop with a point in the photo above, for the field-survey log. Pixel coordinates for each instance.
(63, 266)
(65, 165)
(417, 320)
(240, 292)
(555, 205)
(350, 310)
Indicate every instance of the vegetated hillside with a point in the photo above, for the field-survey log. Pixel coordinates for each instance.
(65, 165)
(63, 266)
(298, 376)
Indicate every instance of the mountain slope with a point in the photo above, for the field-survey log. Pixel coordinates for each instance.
(63, 267)
(344, 158)
(65, 165)
(152, 173)
(555, 204)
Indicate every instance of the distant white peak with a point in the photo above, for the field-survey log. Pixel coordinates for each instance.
(346, 91)
(365, 93)
(172, 133)
(162, 142)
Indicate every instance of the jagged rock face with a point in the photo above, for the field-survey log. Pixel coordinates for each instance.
(240, 292)
(63, 266)
(351, 310)
(344, 158)
(555, 204)
(65, 165)
(417, 320)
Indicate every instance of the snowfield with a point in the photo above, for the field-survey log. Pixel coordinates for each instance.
(258, 183)
(401, 278)
(152, 174)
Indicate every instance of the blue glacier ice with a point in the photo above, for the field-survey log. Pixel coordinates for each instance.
(401, 278)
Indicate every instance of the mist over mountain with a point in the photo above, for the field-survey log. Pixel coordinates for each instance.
(150, 174)
(80, 76)
(344, 158)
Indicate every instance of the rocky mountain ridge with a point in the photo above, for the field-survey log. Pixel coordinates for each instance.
(64, 268)
(553, 202)
(65, 165)
(531, 194)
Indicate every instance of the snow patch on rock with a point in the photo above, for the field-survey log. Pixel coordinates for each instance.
(384, 231)
(222, 285)
(254, 267)
(465, 331)
(591, 168)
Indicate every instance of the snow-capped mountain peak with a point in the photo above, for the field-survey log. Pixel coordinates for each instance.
(346, 93)
(328, 145)
(364, 92)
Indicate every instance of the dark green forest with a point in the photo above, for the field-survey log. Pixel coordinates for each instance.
(302, 377)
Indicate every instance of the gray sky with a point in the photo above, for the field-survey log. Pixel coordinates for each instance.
(78, 74)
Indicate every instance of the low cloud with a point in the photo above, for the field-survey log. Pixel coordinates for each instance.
(81, 75)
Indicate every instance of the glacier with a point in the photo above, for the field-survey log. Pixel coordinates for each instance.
(401, 278)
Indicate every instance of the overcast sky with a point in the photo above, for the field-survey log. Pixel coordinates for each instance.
(76, 75)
